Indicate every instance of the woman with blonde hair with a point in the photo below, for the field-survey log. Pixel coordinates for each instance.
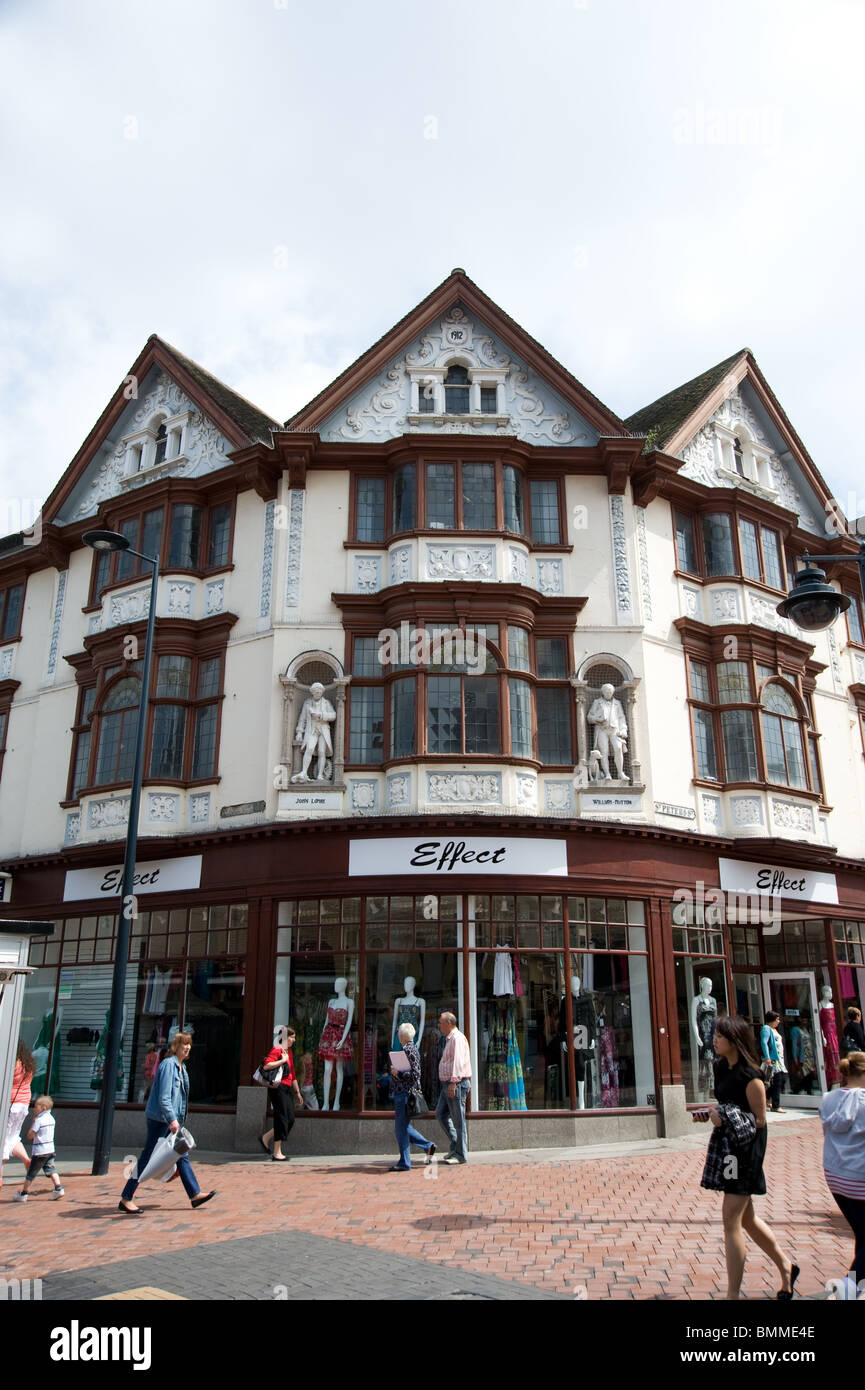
(843, 1115)
(165, 1112)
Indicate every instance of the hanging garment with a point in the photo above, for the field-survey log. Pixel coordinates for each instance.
(328, 1046)
(830, 1047)
(503, 975)
(504, 1071)
(518, 984)
(609, 1068)
(406, 1013)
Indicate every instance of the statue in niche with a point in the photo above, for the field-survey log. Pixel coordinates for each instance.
(313, 735)
(611, 733)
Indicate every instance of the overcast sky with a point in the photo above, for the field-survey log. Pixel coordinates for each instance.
(645, 185)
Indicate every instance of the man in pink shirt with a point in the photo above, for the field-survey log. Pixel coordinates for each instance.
(455, 1075)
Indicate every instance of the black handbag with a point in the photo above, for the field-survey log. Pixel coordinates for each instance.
(416, 1103)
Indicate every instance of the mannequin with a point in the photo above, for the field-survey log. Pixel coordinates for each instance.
(335, 1045)
(704, 1011)
(408, 1009)
(583, 1017)
(829, 1031)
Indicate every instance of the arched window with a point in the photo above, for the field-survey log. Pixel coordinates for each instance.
(782, 737)
(117, 728)
(457, 391)
(161, 443)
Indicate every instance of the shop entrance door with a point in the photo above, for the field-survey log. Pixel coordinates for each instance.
(794, 997)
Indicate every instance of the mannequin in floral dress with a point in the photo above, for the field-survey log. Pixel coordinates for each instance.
(335, 1044)
(408, 1009)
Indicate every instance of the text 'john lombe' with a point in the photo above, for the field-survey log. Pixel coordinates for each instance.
(77, 1343)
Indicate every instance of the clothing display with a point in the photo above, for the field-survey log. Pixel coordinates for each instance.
(503, 974)
(609, 1067)
(504, 1070)
(98, 1064)
(157, 985)
(583, 1010)
(406, 1013)
(707, 1013)
(830, 1047)
(328, 1046)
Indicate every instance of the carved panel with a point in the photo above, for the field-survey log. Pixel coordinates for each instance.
(792, 815)
(129, 608)
(550, 576)
(400, 564)
(691, 601)
(559, 797)
(461, 562)
(399, 789)
(266, 562)
(214, 597)
(367, 574)
(56, 621)
(643, 549)
(624, 601)
(179, 600)
(467, 787)
(73, 827)
(527, 792)
(162, 807)
(725, 606)
(712, 810)
(111, 812)
(747, 810)
(519, 565)
(199, 808)
(364, 794)
(834, 659)
(7, 659)
(296, 499)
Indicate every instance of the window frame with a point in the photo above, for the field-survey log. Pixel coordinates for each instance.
(736, 515)
(6, 589)
(167, 502)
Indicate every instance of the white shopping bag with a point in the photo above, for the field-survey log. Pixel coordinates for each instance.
(163, 1160)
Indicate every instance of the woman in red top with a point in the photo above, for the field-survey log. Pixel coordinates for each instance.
(283, 1096)
(19, 1104)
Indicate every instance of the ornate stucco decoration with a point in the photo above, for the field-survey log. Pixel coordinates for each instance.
(624, 601)
(56, 621)
(703, 458)
(204, 448)
(390, 405)
(461, 562)
(643, 550)
(468, 787)
(792, 815)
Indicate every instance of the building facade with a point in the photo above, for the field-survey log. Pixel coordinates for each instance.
(466, 695)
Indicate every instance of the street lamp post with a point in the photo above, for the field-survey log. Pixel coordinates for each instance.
(812, 603)
(112, 540)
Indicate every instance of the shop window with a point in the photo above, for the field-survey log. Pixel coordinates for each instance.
(413, 987)
(318, 995)
(701, 999)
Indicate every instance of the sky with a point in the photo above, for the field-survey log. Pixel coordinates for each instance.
(646, 186)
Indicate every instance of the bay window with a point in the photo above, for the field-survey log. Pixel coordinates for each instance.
(716, 545)
(456, 494)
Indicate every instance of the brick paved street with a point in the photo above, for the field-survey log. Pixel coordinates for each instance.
(629, 1226)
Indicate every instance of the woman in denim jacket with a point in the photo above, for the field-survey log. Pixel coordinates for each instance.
(165, 1113)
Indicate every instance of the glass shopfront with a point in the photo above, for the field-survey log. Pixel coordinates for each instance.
(186, 972)
(701, 999)
(351, 970)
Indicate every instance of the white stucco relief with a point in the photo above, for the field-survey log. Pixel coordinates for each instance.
(204, 448)
(702, 458)
(527, 406)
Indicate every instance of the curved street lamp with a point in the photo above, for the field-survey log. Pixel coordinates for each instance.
(112, 540)
(812, 603)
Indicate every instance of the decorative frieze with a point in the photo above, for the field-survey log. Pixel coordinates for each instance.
(56, 621)
(643, 551)
(461, 562)
(296, 502)
(471, 788)
(624, 600)
(107, 813)
(266, 562)
(792, 815)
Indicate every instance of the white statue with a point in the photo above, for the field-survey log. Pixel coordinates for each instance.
(313, 733)
(611, 732)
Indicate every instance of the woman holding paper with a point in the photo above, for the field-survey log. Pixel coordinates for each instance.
(165, 1113)
(405, 1078)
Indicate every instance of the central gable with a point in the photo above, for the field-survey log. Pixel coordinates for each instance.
(503, 395)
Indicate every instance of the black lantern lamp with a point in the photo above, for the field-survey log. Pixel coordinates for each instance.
(812, 603)
(105, 540)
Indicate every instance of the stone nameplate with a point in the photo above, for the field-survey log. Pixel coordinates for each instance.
(666, 808)
(243, 808)
(610, 802)
(310, 801)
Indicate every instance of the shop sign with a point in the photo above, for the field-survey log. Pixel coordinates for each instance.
(443, 857)
(153, 876)
(778, 880)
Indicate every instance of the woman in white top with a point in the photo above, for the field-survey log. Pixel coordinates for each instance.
(843, 1115)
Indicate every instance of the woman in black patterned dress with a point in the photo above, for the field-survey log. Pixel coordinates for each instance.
(738, 1082)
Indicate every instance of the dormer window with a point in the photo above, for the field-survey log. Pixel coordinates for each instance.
(739, 458)
(457, 391)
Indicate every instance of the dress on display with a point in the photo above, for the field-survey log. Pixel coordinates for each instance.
(507, 1089)
(406, 1013)
(830, 1047)
(328, 1046)
(503, 974)
(609, 1068)
(707, 1012)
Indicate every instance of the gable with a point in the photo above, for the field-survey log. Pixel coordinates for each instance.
(773, 470)
(389, 404)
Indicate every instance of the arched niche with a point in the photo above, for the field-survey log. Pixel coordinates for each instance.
(597, 670)
(302, 673)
